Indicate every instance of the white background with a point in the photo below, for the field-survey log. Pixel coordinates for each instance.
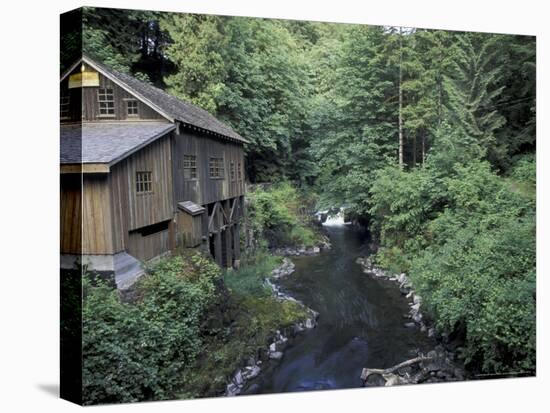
(29, 205)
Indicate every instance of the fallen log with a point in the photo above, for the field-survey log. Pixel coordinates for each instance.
(365, 373)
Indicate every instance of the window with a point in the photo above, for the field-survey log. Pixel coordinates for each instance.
(132, 108)
(215, 168)
(189, 167)
(64, 104)
(106, 102)
(144, 182)
(239, 171)
(232, 171)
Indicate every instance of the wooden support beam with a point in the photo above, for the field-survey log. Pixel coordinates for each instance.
(235, 230)
(212, 219)
(228, 248)
(233, 206)
(218, 248)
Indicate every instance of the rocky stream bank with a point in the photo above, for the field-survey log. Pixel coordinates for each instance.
(441, 364)
(280, 340)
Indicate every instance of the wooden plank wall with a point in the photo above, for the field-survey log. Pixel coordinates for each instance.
(71, 214)
(132, 211)
(97, 237)
(205, 190)
(85, 214)
(189, 229)
(84, 103)
(148, 246)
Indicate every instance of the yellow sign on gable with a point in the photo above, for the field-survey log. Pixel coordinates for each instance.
(83, 79)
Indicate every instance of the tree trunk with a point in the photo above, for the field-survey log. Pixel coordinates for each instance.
(414, 151)
(367, 372)
(400, 101)
(423, 149)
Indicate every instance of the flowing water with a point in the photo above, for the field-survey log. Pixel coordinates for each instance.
(361, 322)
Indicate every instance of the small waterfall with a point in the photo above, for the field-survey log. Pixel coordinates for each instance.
(335, 220)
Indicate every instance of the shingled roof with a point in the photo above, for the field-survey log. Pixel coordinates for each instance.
(108, 143)
(168, 105)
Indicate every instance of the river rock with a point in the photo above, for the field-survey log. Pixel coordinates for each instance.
(232, 390)
(238, 378)
(409, 325)
(275, 355)
(251, 372)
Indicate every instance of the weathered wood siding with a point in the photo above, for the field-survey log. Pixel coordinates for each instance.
(97, 237)
(145, 247)
(189, 229)
(71, 214)
(86, 214)
(84, 103)
(205, 190)
(132, 211)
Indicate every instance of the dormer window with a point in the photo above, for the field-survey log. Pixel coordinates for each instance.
(132, 108)
(64, 104)
(106, 101)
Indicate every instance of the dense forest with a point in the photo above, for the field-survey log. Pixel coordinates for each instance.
(427, 136)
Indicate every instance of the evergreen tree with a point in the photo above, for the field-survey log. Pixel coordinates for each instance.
(472, 90)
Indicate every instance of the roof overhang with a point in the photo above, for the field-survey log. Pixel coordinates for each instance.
(191, 208)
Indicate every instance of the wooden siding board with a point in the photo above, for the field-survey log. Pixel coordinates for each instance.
(71, 214)
(205, 190)
(96, 217)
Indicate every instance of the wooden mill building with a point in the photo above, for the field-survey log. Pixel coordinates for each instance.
(142, 173)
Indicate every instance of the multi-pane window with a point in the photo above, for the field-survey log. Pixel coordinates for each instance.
(144, 182)
(232, 171)
(239, 172)
(64, 105)
(215, 168)
(132, 107)
(189, 167)
(106, 101)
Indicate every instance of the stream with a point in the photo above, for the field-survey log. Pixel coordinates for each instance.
(361, 322)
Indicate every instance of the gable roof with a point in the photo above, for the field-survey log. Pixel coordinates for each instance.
(167, 105)
(108, 143)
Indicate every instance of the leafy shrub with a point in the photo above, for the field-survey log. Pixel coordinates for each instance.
(138, 351)
(467, 237)
(278, 214)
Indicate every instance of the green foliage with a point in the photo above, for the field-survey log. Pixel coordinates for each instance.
(250, 73)
(473, 88)
(279, 215)
(253, 315)
(138, 351)
(129, 41)
(249, 279)
(467, 238)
